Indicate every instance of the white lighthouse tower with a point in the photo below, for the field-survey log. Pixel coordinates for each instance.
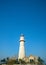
(21, 47)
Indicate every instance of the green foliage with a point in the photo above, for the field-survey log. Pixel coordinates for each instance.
(40, 61)
(3, 60)
(11, 62)
(7, 58)
(32, 61)
(22, 61)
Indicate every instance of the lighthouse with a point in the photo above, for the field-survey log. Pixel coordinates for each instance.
(21, 47)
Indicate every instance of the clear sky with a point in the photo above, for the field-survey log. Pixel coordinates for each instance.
(27, 17)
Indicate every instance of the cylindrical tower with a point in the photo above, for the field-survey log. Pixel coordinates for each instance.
(21, 47)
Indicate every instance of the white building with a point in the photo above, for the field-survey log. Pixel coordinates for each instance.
(22, 51)
(21, 47)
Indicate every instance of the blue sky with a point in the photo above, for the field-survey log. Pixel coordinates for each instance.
(27, 17)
